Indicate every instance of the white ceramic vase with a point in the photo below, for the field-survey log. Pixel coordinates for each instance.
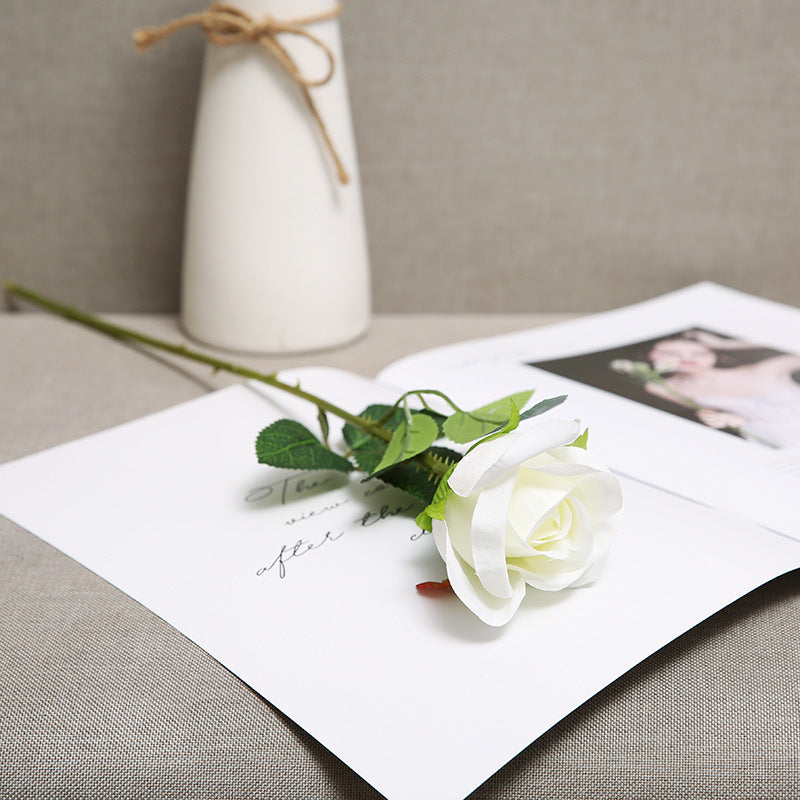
(275, 254)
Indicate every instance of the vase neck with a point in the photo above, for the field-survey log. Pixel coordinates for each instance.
(285, 9)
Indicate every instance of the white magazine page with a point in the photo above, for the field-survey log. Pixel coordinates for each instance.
(696, 392)
(309, 595)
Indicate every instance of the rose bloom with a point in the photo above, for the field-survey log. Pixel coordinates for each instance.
(527, 509)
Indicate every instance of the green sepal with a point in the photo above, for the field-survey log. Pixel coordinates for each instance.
(436, 508)
(582, 441)
(424, 521)
(466, 426)
(288, 444)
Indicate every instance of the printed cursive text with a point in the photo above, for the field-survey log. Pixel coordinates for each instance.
(300, 548)
(385, 511)
(288, 489)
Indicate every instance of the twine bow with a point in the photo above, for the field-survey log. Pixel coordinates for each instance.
(225, 24)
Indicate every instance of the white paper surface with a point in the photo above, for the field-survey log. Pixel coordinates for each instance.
(414, 693)
(652, 445)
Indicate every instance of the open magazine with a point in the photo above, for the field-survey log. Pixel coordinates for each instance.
(309, 595)
(696, 392)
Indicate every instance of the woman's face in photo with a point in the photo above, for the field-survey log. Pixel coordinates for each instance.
(682, 355)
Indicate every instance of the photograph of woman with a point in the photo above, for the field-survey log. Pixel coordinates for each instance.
(725, 383)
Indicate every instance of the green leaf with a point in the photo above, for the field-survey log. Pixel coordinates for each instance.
(368, 454)
(412, 478)
(367, 450)
(409, 476)
(499, 410)
(582, 441)
(355, 437)
(445, 455)
(288, 444)
(512, 424)
(466, 426)
(437, 418)
(409, 440)
(462, 427)
(544, 405)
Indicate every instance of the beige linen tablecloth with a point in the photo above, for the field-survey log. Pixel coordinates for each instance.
(102, 699)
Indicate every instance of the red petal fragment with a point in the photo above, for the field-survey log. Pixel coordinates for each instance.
(434, 588)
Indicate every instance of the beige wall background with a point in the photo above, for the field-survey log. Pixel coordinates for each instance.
(516, 155)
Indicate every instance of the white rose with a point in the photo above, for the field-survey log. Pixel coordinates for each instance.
(623, 365)
(527, 509)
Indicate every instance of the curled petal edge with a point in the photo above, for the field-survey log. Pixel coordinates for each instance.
(495, 611)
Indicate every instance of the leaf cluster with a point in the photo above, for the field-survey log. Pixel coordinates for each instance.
(397, 444)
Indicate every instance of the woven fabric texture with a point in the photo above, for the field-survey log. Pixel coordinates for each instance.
(102, 699)
(530, 155)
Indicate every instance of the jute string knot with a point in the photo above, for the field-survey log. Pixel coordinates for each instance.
(225, 24)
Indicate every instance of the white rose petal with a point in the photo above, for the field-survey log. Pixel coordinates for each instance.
(488, 549)
(490, 460)
(492, 610)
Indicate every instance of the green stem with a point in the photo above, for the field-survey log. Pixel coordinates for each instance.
(128, 334)
(420, 394)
